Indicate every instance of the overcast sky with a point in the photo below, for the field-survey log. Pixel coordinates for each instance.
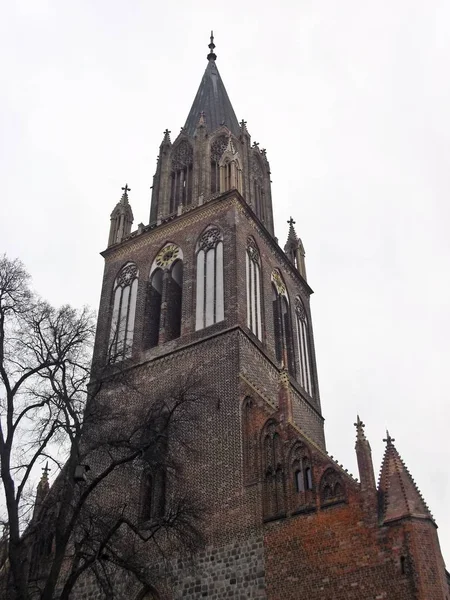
(351, 100)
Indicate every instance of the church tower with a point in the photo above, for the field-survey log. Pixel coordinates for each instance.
(205, 289)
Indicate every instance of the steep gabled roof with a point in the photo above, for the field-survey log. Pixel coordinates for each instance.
(212, 101)
(400, 496)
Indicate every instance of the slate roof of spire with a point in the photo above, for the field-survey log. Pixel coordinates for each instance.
(212, 100)
(399, 493)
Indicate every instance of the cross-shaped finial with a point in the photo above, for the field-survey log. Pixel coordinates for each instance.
(243, 123)
(166, 132)
(388, 438)
(126, 189)
(45, 470)
(291, 222)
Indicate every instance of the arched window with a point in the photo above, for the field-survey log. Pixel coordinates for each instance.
(274, 491)
(282, 322)
(154, 307)
(124, 312)
(210, 293)
(304, 354)
(174, 298)
(164, 300)
(301, 476)
(181, 176)
(253, 272)
(153, 494)
(218, 147)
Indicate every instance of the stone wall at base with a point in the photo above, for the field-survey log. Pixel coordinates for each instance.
(232, 571)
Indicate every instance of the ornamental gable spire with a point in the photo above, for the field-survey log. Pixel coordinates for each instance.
(399, 494)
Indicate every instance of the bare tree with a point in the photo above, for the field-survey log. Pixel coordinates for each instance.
(49, 409)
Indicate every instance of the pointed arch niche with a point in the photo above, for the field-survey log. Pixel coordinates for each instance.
(164, 296)
(181, 176)
(301, 481)
(124, 312)
(253, 279)
(209, 289)
(282, 326)
(303, 346)
(226, 170)
(273, 467)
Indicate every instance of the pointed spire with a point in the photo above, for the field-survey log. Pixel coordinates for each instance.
(166, 139)
(294, 249)
(42, 489)
(399, 493)
(212, 100)
(364, 457)
(211, 46)
(121, 219)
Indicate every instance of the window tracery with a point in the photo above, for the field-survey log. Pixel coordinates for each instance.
(303, 346)
(164, 297)
(253, 276)
(209, 291)
(124, 312)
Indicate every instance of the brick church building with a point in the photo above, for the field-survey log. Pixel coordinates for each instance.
(205, 287)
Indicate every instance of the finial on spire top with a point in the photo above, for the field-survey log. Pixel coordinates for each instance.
(211, 46)
(359, 429)
(389, 440)
(45, 472)
(291, 222)
(124, 199)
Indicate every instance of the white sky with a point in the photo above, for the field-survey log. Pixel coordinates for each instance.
(351, 101)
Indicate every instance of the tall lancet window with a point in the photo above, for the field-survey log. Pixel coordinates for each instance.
(282, 326)
(304, 353)
(253, 272)
(181, 176)
(218, 147)
(124, 311)
(164, 299)
(209, 296)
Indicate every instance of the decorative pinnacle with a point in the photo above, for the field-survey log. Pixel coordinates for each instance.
(124, 198)
(45, 472)
(211, 46)
(388, 439)
(359, 429)
(291, 222)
